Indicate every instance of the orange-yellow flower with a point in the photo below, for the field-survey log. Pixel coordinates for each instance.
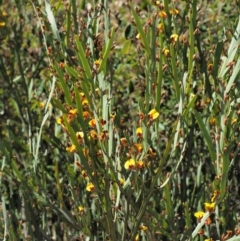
(210, 67)
(174, 11)
(123, 141)
(85, 115)
(151, 152)
(162, 14)
(104, 136)
(212, 121)
(130, 164)
(138, 147)
(140, 164)
(153, 114)
(93, 134)
(71, 115)
(90, 187)
(215, 195)
(143, 227)
(71, 148)
(92, 123)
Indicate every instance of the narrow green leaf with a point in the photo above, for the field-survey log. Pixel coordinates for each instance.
(206, 135)
(217, 57)
(140, 30)
(80, 111)
(63, 85)
(233, 77)
(72, 72)
(126, 47)
(107, 52)
(52, 21)
(83, 58)
(190, 105)
(234, 238)
(59, 105)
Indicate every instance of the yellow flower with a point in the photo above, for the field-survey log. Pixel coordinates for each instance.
(80, 209)
(234, 120)
(136, 237)
(2, 24)
(97, 62)
(112, 115)
(174, 11)
(138, 36)
(84, 173)
(71, 148)
(166, 52)
(72, 112)
(199, 215)
(160, 27)
(139, 132)
(210, 206)
(151, 152)
(162, 14)
(174, 37)
(79, 134)
(4, 14)
(90, 187)
(85, 152)
(41, 104)
(122, 181)
(208, 239)
(153, 114)
(84, 102)
(59, 120)
(212, 121)
(143, 227)
(129, 164)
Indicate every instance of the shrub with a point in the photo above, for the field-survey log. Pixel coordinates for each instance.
(120, 122)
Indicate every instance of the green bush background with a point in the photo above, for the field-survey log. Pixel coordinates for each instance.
(52, 85)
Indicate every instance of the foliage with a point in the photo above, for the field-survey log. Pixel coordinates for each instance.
(119, 120)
